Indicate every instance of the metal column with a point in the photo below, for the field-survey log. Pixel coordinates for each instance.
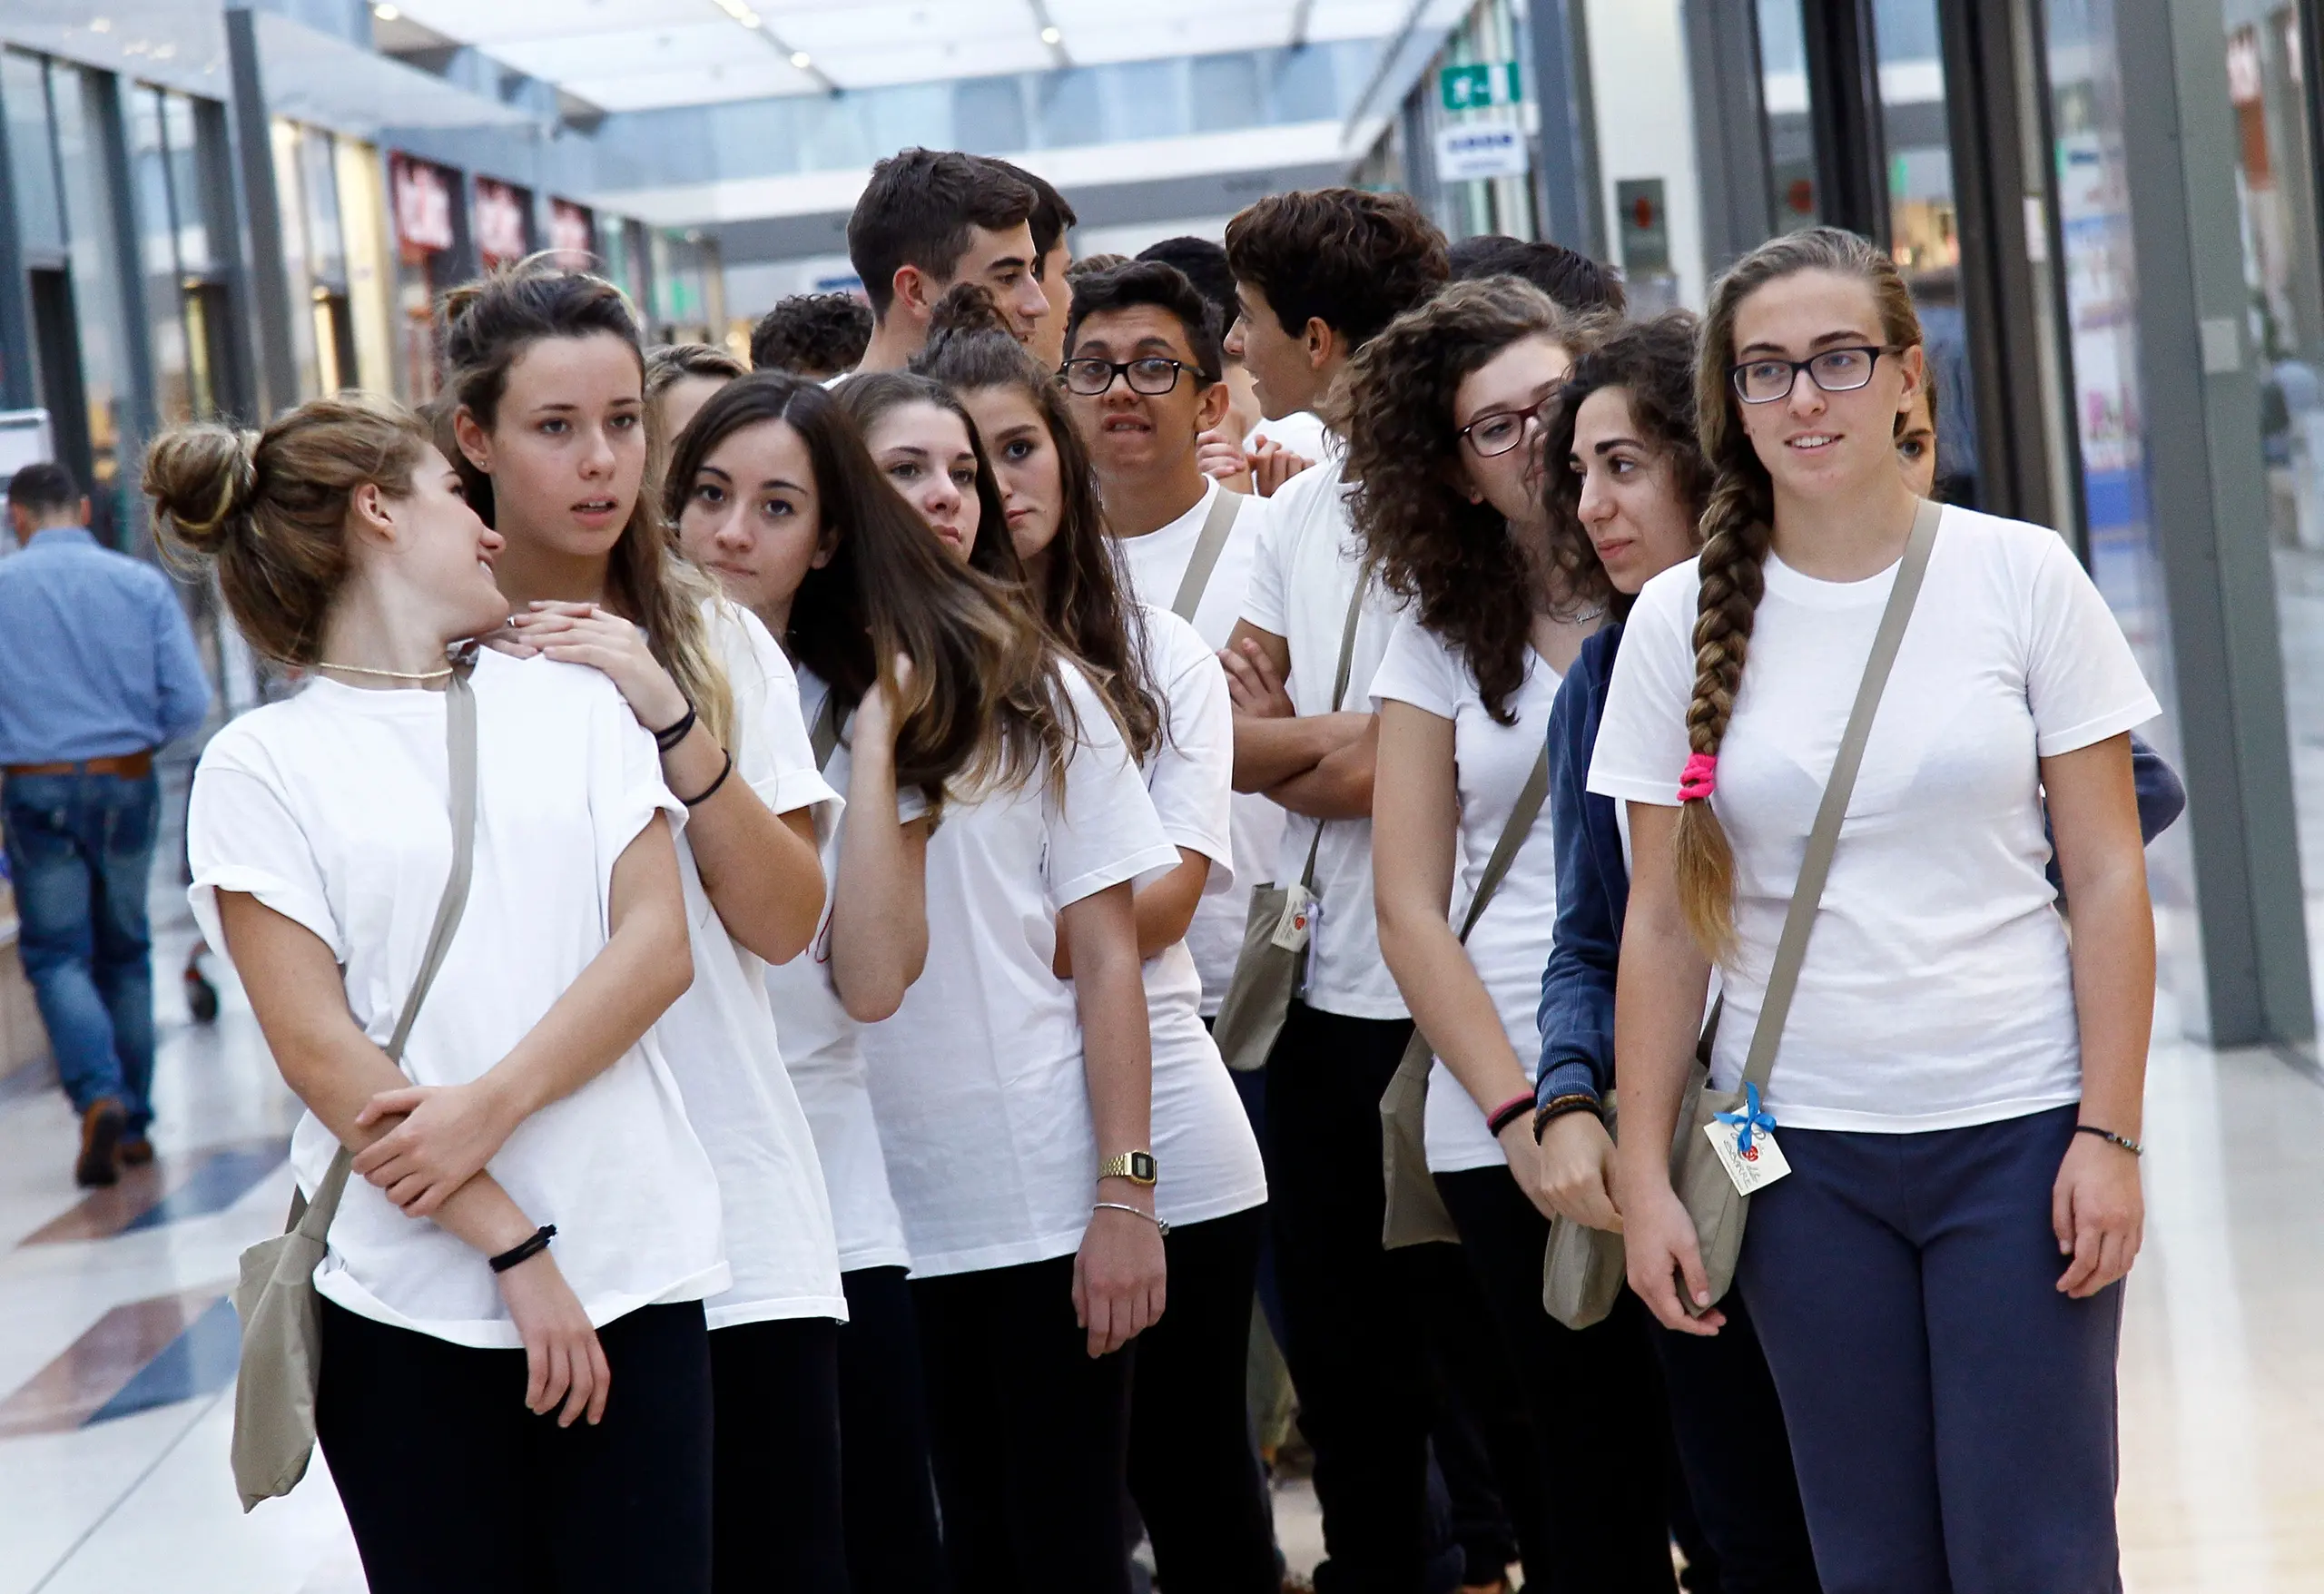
(1572, 209)
(270, 278)
(2209, 514)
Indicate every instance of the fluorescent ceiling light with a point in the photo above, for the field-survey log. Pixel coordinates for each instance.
(1049, 36)
(802, 59)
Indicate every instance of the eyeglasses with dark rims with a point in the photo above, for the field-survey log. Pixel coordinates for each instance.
(1152, 375)
(1834, 371)
(1497, 431)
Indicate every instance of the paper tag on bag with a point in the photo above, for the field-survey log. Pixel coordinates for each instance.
(1297, 921)
(1761, 1165)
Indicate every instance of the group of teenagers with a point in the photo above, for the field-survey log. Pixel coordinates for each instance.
(812, 1166)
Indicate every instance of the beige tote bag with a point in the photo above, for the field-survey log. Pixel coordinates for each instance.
(1584, 1268)
(1415, 1212)
(274, 1398)
(1267, 976)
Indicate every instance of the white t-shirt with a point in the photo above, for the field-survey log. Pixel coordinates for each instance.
(977, 1079)
(1935, 992)
(1157, 564)
(332, 807)
(1301, 431)
(1511, 941)
(1207, 1158)
(1301, 577)
(720, 1038)
(821, 1044)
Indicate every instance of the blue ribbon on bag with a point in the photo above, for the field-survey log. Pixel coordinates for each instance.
(1751, 1119)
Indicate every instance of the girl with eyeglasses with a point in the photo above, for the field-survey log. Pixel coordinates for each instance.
(1193, 1470)
(1015, 1107)
(1443, 426)
(1937, 1279)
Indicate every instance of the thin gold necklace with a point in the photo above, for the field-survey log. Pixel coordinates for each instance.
(388, 674)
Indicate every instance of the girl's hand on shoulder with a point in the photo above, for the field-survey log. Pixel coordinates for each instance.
(1118, 1277)
(584, 633)
(448, 1133)
(563, 1360)
(1577, 1171)
(2098, 1211)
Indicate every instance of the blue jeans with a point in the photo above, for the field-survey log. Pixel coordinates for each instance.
(80, 850)
(1952, 1415)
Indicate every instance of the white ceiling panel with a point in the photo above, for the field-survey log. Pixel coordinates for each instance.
(626, 54)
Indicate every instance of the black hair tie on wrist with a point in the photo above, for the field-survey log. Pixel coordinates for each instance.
(525, 1250)
(713, 790)
(670, 736)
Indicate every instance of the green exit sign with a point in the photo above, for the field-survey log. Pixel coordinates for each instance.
(1478, 84)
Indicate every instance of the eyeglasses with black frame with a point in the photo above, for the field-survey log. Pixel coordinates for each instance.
(1497, 431)
(1834, 371)
(1152, 375)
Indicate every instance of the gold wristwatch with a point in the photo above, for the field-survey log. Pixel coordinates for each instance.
(1136, 1166)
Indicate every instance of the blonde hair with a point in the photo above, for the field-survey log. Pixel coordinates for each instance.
(269, 509)
(487, 324)
(1736, 526)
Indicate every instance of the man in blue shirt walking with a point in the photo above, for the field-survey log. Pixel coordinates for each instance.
(97, 671)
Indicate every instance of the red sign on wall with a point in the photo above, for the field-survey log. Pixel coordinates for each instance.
(502, 237)
(572, 232)
(422, 197)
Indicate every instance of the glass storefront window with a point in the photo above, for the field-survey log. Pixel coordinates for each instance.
(39, 213)
(97, 272)
(1924, 231)
(1783, 100)
(2275, 189)
(2087, 107)
(157, 253)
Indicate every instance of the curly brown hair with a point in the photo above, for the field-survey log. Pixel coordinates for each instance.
(1653, 363)
(1473, 584)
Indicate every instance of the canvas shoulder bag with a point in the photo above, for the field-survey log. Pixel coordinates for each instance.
(1251, 1014)
(1415, 1211)
(824, 734)
(281, 1357)
(1216, 527)
(1584, 1269)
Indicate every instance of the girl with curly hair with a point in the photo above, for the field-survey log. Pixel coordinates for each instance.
(1445, 411)
(545, 399)
(1937, 1277)
(1192, 1471)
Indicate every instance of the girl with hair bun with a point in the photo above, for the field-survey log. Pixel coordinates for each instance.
(514, 1380)
(1192, 1471)
(545, 399)
(1937, 1278)
(1015, 1106)
(1446, 410)
(913, 671)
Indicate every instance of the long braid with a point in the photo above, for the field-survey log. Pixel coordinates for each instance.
(1737, 528)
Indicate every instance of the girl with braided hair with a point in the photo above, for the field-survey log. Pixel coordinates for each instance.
(1936, 1280)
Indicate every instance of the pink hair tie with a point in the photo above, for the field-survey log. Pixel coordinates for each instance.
(1700, 778)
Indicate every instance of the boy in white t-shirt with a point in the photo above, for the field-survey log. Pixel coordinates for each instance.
(1318, 273)
(927, 220)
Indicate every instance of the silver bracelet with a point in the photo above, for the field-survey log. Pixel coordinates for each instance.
(1134, 1211)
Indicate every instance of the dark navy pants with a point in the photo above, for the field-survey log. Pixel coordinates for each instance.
(1952, 1414)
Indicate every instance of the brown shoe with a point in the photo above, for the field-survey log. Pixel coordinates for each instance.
(136, 1151)
(100, 1128)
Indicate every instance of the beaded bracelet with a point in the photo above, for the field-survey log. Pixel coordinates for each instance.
(2108, 1136)
(1557, 1107)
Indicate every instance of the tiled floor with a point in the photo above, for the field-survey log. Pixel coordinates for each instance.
(116, 1344)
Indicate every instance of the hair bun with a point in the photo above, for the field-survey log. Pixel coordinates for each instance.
(202, 480)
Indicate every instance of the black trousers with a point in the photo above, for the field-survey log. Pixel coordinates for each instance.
(1353, 1318)
(775, 1502)
(1736, 1455)
(1030, 1432)
(1193, 1469)
(1595, 1397)
(887, 1488)
(451, 1486)
(1482, 1439)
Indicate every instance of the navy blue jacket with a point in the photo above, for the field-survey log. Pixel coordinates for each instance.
(1577, 1012)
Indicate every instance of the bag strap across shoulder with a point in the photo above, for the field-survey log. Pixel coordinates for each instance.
(1216, 527)
(1520, 824)
(1339, 695)
(1815, 867)
(823, 735)
(460, 737)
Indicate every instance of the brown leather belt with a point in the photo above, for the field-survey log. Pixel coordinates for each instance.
(128, 765)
